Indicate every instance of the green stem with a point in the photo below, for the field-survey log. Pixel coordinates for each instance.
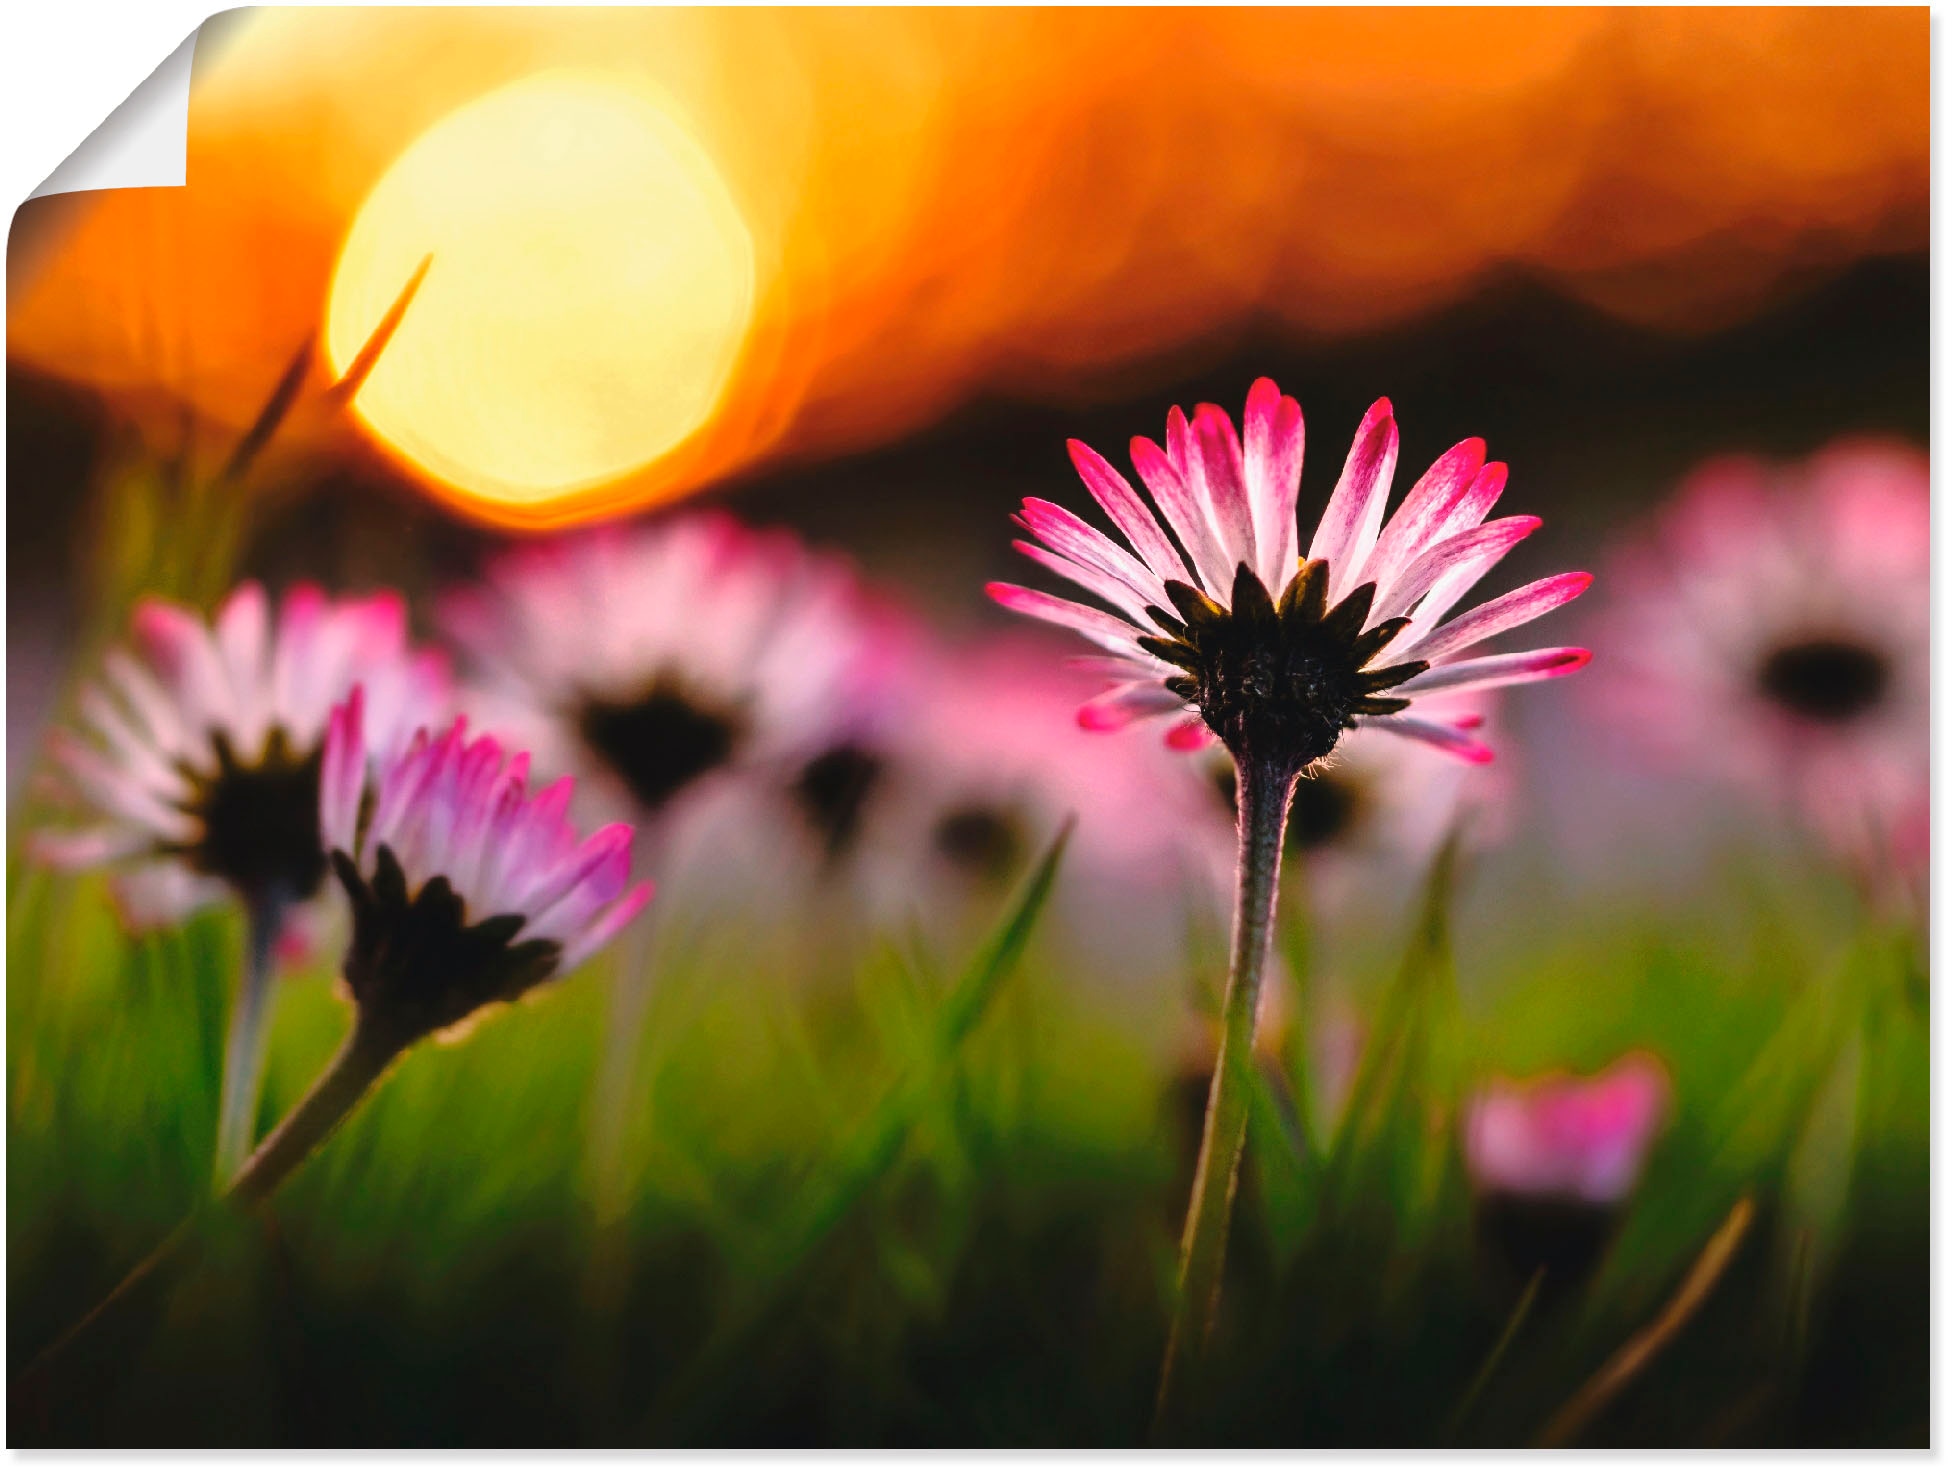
(361, 1061)
(245, 1047)
(1264, 788)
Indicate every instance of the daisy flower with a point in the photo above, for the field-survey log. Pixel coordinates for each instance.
(654, 659)
(1773, 626)
(466, 889)
(1553, 1160)
(1220, 622)
(973, 775)
(201, 769)
(199, 763)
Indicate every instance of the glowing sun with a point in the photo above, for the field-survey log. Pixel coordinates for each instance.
(591, 286)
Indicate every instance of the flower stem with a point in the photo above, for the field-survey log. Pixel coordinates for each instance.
(361, 1061)
(245, 1046)
(1264, 789)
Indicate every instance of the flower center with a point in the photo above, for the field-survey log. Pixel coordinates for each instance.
(260, 821)
(1279, 683)
(417, 965)
(660, 742)
(1829, 680)
(983, 842)
(833, 791)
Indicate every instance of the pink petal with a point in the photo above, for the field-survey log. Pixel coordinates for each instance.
(177, 646)
(159, 894)
(1101, 627)
(1117, 498)
(600, 867)
(1497, 670)
(1222, 479)
(1121, 670)
(1501, 614)
(1119, 707)
(243, 635)
(115, 792)
(1448, 738)
(134, 752)
(295, 651)
(1185, 514)
(146, 699)
(1355, 511)
(1475, 503)
(1418, 521)
(1274, 451)
(342, 775)
(1190, 735)
(1069, 536)
(93, 847)
(613, 922)
(1465, 557)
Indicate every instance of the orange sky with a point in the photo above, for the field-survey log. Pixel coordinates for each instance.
(948, 202)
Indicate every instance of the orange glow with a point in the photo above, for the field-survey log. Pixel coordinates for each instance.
(943, 203)
(591, 288)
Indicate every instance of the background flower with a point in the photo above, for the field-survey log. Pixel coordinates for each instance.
(201, 759)
(1771, 626)
(656, 659)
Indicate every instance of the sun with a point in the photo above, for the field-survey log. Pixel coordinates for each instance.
(591, 287)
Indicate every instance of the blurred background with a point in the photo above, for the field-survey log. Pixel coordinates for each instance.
(860, 275)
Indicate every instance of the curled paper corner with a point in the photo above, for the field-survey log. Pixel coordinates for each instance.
(144, 143)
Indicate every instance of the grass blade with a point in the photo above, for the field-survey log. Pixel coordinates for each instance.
(868, 1154)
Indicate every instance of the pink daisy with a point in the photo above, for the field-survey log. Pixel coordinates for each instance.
(973, 775)
(1566, 1137)
(466, 890)
(1221, 622)
(200, 762)
(655, 659)
(1773, 625)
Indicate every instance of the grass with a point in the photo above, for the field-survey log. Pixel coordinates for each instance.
(888, 1207)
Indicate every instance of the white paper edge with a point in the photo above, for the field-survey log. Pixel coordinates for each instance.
(144, 143)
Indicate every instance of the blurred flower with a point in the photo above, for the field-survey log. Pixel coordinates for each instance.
(202, 765)
(1553, 1160)
(654, 659)
(466, 890)
(1378, 802)
(1267, 651)
(1773, 626)
(975, 773)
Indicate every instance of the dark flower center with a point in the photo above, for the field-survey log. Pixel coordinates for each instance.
(260, 821)
(833, 791)
(417, 965)
(1279, 683)
(1324, 809)
(982, 841)
(1828, 680)
(660, 742)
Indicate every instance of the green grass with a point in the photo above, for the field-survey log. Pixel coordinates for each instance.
(935, 1200)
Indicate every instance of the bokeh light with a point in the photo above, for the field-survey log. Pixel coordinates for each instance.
(594, 282)
(950, 205)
